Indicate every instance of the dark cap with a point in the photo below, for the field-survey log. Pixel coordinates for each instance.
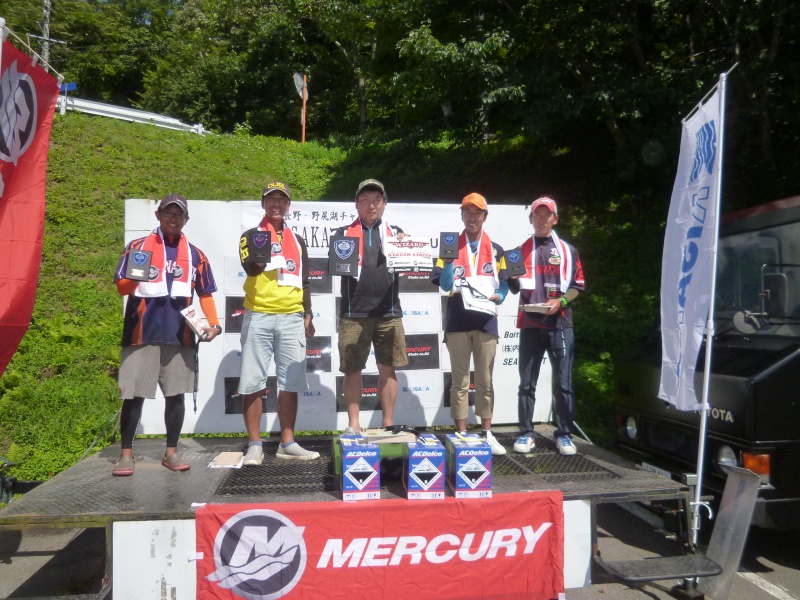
(174, 199)
(276, 186)
(371, 184)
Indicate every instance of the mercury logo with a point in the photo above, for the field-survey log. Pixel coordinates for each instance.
(259, 555)
(414, 549)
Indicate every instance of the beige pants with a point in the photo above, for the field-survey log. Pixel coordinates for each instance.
(482, 348)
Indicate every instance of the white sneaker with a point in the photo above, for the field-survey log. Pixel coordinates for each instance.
(497, 447)
(524, 444)
(565, 446)
(351, 431)
(295, 451)
(254, 456)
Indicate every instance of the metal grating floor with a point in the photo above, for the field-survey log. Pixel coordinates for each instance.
(281, 476)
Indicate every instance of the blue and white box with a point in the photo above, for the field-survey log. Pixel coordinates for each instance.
(469, 466)
(361, 469)
(424, 468)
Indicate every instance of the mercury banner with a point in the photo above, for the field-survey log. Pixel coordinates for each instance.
(509, 547)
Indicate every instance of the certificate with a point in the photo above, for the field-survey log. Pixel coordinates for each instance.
(408, 253)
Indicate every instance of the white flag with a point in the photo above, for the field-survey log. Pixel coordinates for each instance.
(687, 262)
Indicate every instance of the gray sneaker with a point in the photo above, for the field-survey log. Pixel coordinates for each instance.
(254, 456)
(295, 451)
(124, 467)
(351, 431)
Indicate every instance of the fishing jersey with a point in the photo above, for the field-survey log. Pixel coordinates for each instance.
(547, 263)
(158, 320)
(376, 291)
(458, 318)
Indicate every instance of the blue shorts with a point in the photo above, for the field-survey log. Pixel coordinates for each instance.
(265, 336)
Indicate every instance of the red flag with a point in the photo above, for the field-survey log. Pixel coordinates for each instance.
(27, 102)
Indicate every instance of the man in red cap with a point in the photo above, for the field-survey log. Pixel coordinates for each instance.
(553, 277)
(158, 347)
(470, 329)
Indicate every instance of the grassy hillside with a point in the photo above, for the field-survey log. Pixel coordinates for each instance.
(60, 388)
(59, 392)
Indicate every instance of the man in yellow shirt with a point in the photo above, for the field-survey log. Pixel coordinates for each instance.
(277, 321)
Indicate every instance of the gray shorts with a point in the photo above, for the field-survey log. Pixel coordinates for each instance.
(142, 368)
(266, 337)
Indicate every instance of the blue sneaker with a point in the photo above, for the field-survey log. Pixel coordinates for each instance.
(565, 446)
(524, 444)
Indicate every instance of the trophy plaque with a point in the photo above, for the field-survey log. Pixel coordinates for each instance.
(448, 245)
(515, 266)
(259, 246)
(343, 255)
(138, 265)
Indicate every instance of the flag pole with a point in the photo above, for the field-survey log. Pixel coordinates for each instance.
(303, 120)
(701, 446)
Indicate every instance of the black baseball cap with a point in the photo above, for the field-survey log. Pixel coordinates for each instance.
(174, 199)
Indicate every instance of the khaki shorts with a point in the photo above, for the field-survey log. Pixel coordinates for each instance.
(357, 336)
(142, 368)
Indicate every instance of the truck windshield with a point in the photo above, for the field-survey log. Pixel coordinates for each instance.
(759, 272)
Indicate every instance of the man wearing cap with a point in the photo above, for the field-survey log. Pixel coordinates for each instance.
(158, 347)
(277, 321)
(471, 332)
(554, 276)
(370, 313)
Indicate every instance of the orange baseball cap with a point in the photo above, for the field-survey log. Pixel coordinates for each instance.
(475, 200)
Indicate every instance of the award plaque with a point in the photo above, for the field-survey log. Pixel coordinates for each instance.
(138, 265)
(448, 245)
(515, 266)
(343, 255)
(259, 246)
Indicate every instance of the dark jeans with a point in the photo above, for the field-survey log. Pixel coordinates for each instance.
(558, 343)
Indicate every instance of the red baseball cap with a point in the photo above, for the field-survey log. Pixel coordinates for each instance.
(545, 201)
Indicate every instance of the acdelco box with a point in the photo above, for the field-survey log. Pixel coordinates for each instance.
(469, 466)
(361, 469)
(423, 468)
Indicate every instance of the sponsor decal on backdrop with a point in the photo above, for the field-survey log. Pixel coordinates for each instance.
(234, 314)
(233, 399)
(318, 354)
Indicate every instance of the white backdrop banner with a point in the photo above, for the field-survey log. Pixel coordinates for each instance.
(424, 385)
(687, 262)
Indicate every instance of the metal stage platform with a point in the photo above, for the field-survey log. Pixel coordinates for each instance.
(88, 496)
